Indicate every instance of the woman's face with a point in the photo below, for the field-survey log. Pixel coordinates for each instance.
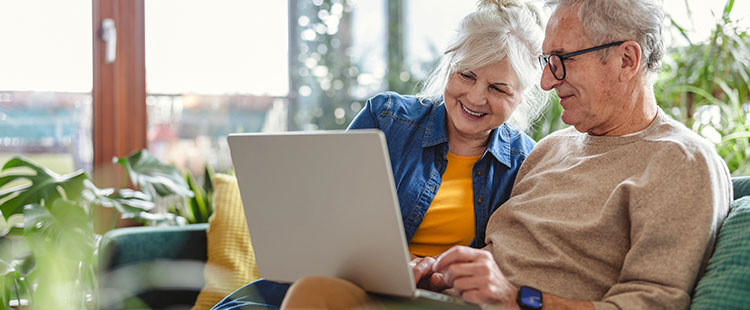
(481, 99)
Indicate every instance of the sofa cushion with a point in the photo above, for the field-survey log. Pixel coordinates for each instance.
(726, 283)
(741, 186)
(231, 260)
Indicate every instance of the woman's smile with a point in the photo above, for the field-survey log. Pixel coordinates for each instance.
(471, 114)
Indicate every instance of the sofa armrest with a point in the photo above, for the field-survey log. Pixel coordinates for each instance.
(152, 267)
(124, 246)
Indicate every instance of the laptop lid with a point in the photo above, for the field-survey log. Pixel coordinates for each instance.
(323, 203)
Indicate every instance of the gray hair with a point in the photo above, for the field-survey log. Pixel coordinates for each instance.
(606, 21)
(497, 30)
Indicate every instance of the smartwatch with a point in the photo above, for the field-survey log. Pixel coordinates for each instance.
(529, 298)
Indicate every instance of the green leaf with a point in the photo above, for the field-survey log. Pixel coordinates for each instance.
(25, 265)
(15, 190)
(124, 200)
(153, 176)
(208, 179)
(158, 219)
(15, 257)
(129, 201)
(728, 9)
(735, 136)
(197, 204)
(13, 221)
(680, 29)
(19, 161)
(46, 185)
(65, 224)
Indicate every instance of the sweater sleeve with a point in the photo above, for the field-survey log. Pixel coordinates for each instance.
(673, 226)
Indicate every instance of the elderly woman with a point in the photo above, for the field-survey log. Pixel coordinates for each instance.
(456, 147)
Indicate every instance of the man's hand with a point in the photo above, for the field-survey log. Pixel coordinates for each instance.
(424, 276)
(474, 274)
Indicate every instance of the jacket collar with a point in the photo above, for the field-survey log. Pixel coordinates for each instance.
(436, 133)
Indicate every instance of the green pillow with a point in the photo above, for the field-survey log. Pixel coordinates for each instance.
(726, 283)
(741, 186)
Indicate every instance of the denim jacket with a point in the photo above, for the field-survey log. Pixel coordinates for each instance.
(418, 144)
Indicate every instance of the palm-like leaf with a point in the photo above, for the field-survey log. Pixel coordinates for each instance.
(153, 176)
(45, 186)
(125, 201)
(65, 224)
(12, 223)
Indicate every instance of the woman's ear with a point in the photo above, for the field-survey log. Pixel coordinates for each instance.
(630, 59)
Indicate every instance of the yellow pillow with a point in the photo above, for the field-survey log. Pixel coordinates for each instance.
(231, 260)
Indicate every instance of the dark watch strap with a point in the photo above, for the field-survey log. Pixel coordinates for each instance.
(529, 298)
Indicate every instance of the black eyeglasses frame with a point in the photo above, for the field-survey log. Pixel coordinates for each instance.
(545, 59)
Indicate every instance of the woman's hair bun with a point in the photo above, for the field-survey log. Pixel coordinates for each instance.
(500, 3)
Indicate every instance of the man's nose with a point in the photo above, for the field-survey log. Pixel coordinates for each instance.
(548, 81)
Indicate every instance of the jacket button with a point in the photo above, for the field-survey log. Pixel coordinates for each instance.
(480, 200)
(479, 173)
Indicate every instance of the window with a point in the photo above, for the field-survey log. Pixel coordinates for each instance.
(213, 68)
(45, 87)
(427, 38)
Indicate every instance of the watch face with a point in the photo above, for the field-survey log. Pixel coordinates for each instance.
(530, 297)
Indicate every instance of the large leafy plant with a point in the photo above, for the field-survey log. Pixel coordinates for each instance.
(47, 239)
(706, 86)
(48, 233)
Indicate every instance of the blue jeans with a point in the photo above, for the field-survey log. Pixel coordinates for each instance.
(260, 294)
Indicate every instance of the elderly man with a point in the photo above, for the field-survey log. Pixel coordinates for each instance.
(620, 211)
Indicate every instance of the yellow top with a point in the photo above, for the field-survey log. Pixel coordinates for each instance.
(449, 220)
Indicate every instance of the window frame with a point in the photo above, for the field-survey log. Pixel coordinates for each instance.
(119, 88)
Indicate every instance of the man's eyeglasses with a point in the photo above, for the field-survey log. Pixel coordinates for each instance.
(556, 64)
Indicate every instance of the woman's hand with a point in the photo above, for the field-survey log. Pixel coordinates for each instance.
(474, 274)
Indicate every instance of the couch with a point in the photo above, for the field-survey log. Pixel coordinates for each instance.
(144, 255)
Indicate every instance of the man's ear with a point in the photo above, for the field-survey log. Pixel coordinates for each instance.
(630, 61)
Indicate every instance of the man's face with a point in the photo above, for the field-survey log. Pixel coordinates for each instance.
(586, 92)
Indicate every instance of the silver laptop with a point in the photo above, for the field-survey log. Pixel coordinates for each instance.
(324, 203)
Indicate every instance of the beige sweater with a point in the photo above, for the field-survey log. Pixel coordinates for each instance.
(626, 222)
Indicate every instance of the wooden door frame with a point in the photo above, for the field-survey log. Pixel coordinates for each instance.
(119, 88)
